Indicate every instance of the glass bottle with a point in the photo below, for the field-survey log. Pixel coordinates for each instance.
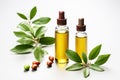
(81, 38)
(61, 39)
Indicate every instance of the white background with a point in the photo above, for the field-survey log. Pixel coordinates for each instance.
(102, 18)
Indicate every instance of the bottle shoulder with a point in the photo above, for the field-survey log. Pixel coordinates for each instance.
(81, 34)
(62, 28)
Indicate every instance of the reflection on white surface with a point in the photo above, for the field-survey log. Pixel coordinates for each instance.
(102, 22)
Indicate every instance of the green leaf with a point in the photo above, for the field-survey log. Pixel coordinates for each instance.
(75, 67)
(38, 53)
(33, 12)
(26, 41)
(24, 26)
(43, 35)
(94, 53)
(84, 56)
(96, 68)
(22, 16)
(42, 20)
(22, 34)
(40, 31)
(47, 40)
(102, 59)
(22, 49)
(73, 56)
(86, 72)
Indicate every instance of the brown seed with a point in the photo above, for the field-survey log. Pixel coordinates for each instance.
(34, 66)
(49, 64)
(36, 62)
(51, 58)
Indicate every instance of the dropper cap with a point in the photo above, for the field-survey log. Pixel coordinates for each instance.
(61, 20)
(81, 26)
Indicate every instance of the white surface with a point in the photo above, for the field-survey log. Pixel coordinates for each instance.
(102, 18)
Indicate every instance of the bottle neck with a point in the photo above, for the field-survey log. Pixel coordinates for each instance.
(81, 34)
(81, 31)
(62, 28)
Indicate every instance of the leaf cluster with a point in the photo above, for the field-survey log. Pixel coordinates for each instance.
(85, 63)
(31, 35)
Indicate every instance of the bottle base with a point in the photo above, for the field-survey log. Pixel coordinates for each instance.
(61, 61)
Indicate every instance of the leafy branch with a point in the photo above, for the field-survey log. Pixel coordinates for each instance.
(32, 35)
(85, 63)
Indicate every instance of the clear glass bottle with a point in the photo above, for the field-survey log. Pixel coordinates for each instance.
(81, 38)
(61, 39)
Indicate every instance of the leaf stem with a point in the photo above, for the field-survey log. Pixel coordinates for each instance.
(36, 42)
(86, 65)
(29, 22)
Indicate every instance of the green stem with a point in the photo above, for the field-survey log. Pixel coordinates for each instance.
(29, 22)
(86, 65)
(36, 42)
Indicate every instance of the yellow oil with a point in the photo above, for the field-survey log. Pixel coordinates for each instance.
(81, 45)
(61, 45)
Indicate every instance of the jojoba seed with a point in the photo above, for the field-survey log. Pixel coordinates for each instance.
(49, 64)
(51, 58)
(34, 66)
(36, 62)
(26, 67)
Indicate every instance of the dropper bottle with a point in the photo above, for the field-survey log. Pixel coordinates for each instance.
(61, 39)
(81, 38)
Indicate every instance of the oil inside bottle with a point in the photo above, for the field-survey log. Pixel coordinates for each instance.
(81, 45)
(61, 46)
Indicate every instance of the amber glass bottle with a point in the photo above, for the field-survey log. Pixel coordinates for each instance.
(61, 39)
(81, 38)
